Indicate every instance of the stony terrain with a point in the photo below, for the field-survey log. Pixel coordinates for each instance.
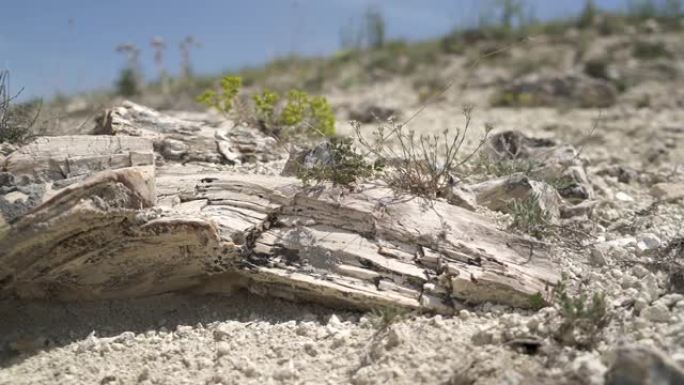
(628, 246)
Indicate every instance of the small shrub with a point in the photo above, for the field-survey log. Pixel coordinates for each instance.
(224, 100)
(343, 168)
(583, 318)
(489, 166)
(374, 28)
(298, 113)
(428, 86)
(537, 301)
(16, 122)
(642, 9)
(650, 50)
(597, 68)
(671, 261)
(423, 164)
(322, 115)
(382, 318)
(127, 84)
(515, 99)
(588, 16)
(295, 108)
(265, 106)
(530, 217)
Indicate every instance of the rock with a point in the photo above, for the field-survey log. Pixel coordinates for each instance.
(647, 242)
(622, 173)
(395, 336)
(498, 194)
(560, 90)
(370, 113)
(581, 209)
(623, 197)
(640, 365)
(641, 303)
(668, 192)
(546, 160)
(173, 149)
(318, 156)
(670, 300)
(589, 368)
(223, 349)
(196, 140)
(657, 312)
(639, 271)
(597, 257)
(334, 322)
(341, 338)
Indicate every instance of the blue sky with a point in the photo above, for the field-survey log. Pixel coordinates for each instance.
(67, 46)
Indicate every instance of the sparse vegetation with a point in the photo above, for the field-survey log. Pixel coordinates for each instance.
(222, 101)
(587, 18)
(420, 164)
(298, 114)
(486, 165)
(597, 68)
(537, 301)
(583, 317)
(127, 85)
(515, 99)
(671, 260)
(343, 167)
(130, 79)
(369, 33)
(647, 50)
(16, 121)
(383, 317)
(530, 217)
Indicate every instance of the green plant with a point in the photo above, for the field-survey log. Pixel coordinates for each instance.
(127, 84)
(322, 115)
(529, 216)
(370, 32)
(299, 113)
(295, 108)
(428, 86)
(597, 68)
(265, 105)
(515, 99)
(16, 121)
(583, 318)
(587, 18)
(537, 301)
(420, 164)
(223, 101)
(510, 11)
(491, 166)
(374, 28)
(382, 318)
(307, 114)
(650, 50)
(642, 9)
(342, 167)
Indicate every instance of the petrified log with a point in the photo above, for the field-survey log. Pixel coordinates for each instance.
(130, 230)
(185, 140)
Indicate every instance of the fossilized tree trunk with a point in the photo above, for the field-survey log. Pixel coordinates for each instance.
(108, 224)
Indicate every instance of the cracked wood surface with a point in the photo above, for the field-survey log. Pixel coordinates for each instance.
(135, 230)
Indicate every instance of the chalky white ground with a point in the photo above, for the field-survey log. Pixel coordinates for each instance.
(244, 339)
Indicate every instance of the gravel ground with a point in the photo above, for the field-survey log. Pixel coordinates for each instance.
(244, 339)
